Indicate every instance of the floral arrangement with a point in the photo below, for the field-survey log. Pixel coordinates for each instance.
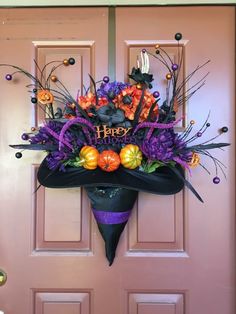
(117, 138)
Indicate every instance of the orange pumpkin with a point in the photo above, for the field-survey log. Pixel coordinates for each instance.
(108, 160)
(88, 157)
(45, 97)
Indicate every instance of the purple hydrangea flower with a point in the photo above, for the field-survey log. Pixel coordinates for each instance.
(55, 159)
(111, 90)
(165, 146)
(44, 136)
(76, 139)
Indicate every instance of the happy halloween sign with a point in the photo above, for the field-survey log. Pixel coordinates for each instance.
(107, 135)
(104, 131)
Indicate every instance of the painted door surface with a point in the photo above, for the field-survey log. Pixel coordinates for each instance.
(183, 250)
(176, 255)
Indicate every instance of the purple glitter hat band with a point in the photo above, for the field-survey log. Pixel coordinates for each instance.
(111, 218)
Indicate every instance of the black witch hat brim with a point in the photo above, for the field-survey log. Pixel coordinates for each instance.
(164, 181)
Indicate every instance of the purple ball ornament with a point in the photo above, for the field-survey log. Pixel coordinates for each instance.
(25, 136)
(106, 79)
(199, 134)
(156, 94)
(216, 180)
(8, 77)
(144, 50)
(175, 67)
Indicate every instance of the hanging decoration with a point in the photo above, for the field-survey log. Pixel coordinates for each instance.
(118, 138)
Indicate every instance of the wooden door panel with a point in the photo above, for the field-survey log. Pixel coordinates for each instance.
(164, 216)
(155, 303)
(54, 50)
(62, 215)
(61, 220)
(61, 303)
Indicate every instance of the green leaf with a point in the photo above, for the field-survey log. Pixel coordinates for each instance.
(150, 167)
(73, 162)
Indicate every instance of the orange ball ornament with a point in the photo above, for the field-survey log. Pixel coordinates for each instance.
(66, 62)
(168, 76)
(53, 78)
(109, 160)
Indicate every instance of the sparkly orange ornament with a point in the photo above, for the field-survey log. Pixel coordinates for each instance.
(86, 101)
(135, 95)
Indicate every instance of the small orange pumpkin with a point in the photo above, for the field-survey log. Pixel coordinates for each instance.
(131, 156)
(88, 157)
(45, 97)
(109, 160)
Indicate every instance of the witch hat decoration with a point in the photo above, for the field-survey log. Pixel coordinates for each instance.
(119, 138)
(113, 194)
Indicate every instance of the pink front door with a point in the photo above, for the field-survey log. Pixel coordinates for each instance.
(176, 255)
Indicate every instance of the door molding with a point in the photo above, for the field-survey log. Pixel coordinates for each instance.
(64, 3)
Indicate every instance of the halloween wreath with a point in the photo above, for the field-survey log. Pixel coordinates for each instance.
(117, 138)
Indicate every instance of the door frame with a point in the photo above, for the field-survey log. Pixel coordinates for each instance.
(107, 3)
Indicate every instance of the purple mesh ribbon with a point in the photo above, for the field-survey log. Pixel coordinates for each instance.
(69, 123)
(111, 218)
(155, 125)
